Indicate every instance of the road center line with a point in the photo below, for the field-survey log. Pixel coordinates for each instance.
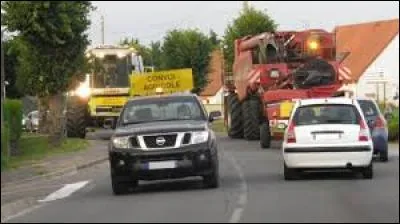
(242, 199)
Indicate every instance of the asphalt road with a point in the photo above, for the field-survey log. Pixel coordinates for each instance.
(252, 190)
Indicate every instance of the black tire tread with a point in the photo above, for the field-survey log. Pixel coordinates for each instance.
(235, 110)
(251, 118)
(265, 135)
(77, 117)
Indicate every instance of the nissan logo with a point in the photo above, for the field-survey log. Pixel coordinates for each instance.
(160, 140)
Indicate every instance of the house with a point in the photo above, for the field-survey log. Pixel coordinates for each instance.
(374, 57)
(212, 95)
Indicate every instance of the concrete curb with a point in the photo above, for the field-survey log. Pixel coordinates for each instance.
(12, 209)
(57, 172)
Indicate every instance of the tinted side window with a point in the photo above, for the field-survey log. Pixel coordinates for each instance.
(369, 109)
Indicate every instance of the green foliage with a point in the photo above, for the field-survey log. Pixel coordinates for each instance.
(394, 126)
(144, 51)
(52, 41)
(214, 39)
(250, 22)
(13, 118)
(188, 49)
(10, 68)
(156, 55)
(4, 146)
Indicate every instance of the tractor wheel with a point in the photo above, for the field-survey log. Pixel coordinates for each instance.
(77, 117)
(251, 109)
(265, 135)
(235, 123)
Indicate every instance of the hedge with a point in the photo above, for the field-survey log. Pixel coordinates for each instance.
(4, 146)
(13, 118)
(393, 126)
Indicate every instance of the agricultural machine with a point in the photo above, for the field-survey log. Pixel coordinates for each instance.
(99, 99)
(271, 71)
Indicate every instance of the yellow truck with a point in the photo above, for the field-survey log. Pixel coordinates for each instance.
(117, 74)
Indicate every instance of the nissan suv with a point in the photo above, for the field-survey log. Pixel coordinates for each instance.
(163, 137)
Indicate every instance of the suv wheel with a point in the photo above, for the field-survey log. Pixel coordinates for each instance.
(122, 187)
(367, 172)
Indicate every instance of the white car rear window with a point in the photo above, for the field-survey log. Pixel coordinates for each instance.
(326, 114)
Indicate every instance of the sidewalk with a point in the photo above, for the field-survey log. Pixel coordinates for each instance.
(56, 165)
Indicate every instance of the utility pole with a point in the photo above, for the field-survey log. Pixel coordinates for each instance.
(102, 29)
(3, 85)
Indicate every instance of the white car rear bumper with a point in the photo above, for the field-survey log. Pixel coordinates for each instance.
(327, 157)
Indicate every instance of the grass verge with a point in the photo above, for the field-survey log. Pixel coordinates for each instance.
(35, 147)
(218, 126)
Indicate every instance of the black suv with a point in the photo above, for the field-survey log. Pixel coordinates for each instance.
(163, 137)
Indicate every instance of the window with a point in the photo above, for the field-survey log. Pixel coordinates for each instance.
(368, 108)
(162, 109)
(326, 114)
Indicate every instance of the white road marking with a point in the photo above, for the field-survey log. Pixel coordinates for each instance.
(65, 191)
(21, 213)
(242, 200)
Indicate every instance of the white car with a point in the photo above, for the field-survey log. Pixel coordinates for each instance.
(327, 133)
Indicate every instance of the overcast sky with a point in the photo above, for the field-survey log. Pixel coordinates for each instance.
(149, 20)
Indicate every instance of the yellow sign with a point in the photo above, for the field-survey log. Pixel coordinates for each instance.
(170, 81)
(109, 101)
(286, 109)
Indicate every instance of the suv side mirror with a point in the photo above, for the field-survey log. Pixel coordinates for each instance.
(214, 115)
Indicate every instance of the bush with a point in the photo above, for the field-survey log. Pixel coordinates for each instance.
(4, 146)
(394, 126)
(13, 118)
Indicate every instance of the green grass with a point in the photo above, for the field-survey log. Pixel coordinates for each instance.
(218, 126)
(35, 148)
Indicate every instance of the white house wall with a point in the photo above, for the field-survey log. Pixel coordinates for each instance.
(386, 64)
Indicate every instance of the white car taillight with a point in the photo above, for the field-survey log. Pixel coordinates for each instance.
(363, 135)
(291, 136)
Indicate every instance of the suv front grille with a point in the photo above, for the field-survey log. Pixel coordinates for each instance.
(160, 141)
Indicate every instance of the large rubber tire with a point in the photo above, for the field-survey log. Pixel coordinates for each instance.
(235, 119)
(77, 117)
(212, 180)
(265, 135)
(251, 110)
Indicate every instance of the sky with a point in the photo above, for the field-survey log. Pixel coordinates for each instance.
(150, 20)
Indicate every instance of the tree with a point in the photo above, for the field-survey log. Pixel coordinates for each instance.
(214, 38)
(144, 51)
(52, 43)
(249, 22)
(188, 49)
(10, 67)
(156, 55)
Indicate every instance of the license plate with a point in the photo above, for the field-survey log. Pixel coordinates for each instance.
(327, 137)
(162, 165)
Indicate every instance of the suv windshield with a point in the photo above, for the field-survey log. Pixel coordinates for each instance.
(368, 108)
(326, 114)
(162, 109)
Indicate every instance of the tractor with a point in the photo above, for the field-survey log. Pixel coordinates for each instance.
(99, 99)
(270, 72)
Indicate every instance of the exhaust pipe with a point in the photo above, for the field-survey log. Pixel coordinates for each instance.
(349, 166)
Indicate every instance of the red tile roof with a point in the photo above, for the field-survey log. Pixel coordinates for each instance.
(214, 75)
(365, 42)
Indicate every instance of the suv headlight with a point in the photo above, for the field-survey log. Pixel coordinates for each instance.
(121, 142)
(199, 137)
